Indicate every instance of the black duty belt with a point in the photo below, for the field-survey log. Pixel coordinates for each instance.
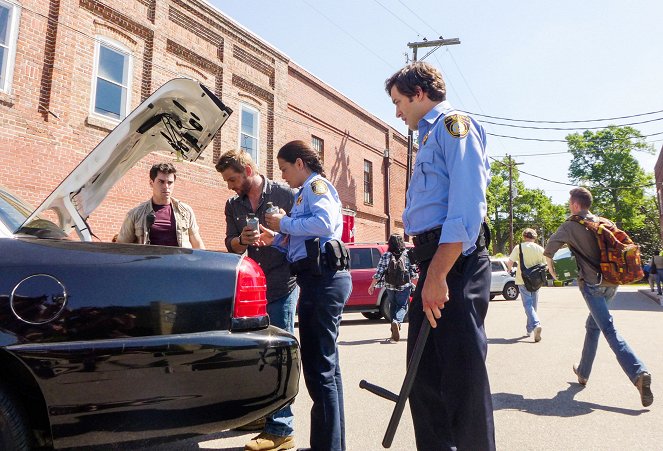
(426, 244)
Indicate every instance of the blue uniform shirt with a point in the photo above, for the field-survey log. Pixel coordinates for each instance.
(316, 213)
(448, 185)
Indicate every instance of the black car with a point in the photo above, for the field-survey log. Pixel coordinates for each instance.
(106, 343)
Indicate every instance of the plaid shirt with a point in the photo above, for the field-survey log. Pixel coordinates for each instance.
(382, 269)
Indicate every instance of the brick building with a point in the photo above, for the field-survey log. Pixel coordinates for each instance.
(71, 69)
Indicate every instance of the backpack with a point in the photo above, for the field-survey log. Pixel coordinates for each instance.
(620, 256)
(397, 274)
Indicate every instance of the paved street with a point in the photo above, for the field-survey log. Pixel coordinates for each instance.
(538, 402)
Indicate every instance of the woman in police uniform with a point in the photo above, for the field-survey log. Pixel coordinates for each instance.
(314, 220)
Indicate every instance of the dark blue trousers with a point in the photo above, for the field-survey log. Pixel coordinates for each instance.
(450, 401)
(321, 303)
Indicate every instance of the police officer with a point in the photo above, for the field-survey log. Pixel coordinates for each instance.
(311, 237)
(446, 202)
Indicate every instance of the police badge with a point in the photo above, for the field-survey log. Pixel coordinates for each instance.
(457, 125)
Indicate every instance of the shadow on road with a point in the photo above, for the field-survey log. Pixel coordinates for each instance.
(561, 405)
(507, 341)
(382, 341)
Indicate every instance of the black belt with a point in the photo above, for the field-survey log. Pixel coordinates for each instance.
(426, 244)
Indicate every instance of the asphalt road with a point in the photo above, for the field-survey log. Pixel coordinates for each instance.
(538, 403)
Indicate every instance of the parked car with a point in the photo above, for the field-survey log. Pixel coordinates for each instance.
(106, 343)
(364, 258)
(502, 282)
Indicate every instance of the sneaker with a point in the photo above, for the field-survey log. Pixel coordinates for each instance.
(581, 380)
(395, 331)
(537, 334)
(270, 442)
(255, 425)
(643, 383)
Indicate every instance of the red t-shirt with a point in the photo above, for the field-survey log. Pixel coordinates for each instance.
(163, 230)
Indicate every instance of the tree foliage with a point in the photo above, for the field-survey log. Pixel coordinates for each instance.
(531, 208)
(603, 163)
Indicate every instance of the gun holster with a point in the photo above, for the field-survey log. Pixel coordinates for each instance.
(313, 255)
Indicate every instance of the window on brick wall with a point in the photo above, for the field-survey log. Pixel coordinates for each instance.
(8, 32)
(368, 182)
(110, 84)
(249, 131)
(318, 145)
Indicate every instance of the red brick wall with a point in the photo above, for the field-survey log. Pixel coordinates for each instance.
(48, 128)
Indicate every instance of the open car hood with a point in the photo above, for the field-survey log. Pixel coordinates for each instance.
(182, 116)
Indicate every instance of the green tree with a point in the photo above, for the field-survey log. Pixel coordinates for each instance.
(531, 208)
(649, 235)
(604, 164)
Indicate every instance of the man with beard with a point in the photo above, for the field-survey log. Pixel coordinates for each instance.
(254, 191)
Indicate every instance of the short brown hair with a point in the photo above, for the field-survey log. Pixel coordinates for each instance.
(166, 168)
(237, 160)
(418, 74)
(529, 233)
(582, 196)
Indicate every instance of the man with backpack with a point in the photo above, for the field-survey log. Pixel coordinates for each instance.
(594, 274)
(395, 273)
(528, 254)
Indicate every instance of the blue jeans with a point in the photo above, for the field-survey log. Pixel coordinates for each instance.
(320, 306)
(530, 303)
(600, 320)
(398, 301)
(659, 277)
(282, 314)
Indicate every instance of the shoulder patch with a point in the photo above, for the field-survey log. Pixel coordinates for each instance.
(457, 125)
(319, 187)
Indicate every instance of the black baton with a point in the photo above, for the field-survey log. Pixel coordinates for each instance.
(405, 388)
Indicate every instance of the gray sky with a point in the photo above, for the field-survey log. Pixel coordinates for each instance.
(535, 60)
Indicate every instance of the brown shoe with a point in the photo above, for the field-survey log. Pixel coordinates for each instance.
(643, 383)
(395, 331)
(270, 442)
(581, 380)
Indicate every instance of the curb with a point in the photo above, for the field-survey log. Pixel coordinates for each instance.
(652, 295)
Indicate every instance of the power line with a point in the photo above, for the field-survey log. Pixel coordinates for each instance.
(349, 34)
(566, 122)
(533, 127)
(563, 140)
(399, 18)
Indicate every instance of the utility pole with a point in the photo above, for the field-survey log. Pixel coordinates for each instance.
(511, 165)
(410, 134)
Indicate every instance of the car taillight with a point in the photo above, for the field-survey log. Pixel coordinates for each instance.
(251, 292)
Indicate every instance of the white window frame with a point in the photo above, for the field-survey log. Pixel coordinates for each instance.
(256, 113)
(11, 44)
(117, 47)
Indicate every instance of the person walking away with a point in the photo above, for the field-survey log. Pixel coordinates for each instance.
(254, 192)
(311, 236)
(597, 294)
(532, 255)
(653, 276)
(395, 273)
(446, 202)
(162, 220)
(658, 263)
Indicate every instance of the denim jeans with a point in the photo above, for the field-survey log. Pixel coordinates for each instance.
(600, 320)
(282, 314)
(659, 277)
(320, 306)
(398, 302)
(530, 303)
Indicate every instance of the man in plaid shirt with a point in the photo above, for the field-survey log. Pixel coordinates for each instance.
(398, 296)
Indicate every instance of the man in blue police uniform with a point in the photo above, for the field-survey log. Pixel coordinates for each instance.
(446, 202)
